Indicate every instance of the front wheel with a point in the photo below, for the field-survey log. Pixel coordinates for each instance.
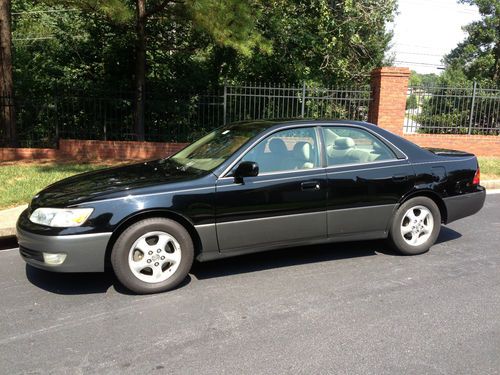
(153, 255)
(415, 226)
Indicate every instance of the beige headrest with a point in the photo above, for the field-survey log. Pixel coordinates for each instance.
(344, 143)
(303, 151)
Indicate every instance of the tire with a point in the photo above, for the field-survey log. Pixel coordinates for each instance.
(415, 226)
(152, 256)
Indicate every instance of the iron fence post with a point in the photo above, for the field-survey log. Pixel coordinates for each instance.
(303, 99)
(56, 118)
(225, 103)
(472, 106)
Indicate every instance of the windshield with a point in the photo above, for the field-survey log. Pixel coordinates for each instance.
(216, 147)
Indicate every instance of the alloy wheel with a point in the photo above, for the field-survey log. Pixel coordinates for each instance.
(154, 257)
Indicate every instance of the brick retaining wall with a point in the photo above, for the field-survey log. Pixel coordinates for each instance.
(86, 150)
(480, 145)
(12, 154)
(116, 150)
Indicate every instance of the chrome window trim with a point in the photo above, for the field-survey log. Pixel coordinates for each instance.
(377, 136)
(312, 125)
(397, 162)
(290, 178)
(228, 169)
(283, 172)
(283, 178)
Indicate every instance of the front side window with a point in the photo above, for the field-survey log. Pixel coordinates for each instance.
(346, 145)
(286, 150)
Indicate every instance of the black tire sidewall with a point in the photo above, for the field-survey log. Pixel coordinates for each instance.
(396, 237)
(121, 248)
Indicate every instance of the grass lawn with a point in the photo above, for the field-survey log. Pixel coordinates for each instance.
(490, 168)
(21, 181)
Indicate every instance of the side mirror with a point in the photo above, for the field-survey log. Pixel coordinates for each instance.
(246, 169)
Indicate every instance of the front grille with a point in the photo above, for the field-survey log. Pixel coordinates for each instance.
(31, 254)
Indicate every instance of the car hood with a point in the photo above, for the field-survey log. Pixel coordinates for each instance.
(112, 182)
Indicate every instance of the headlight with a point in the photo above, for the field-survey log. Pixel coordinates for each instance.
(61, 217)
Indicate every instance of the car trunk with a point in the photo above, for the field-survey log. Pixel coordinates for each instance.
(446, 152)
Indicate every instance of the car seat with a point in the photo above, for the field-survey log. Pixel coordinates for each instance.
(303, 155)
(338, 153)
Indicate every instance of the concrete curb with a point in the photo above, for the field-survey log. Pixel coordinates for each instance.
(8, 218)
(491, 184)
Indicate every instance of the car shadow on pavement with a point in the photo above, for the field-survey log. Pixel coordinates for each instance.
(78, 283)
(8, 242)
(92, 283)
(302, 255)
(72, 283)
(447, 234)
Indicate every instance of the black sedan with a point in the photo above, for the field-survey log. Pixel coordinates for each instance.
(244, 188)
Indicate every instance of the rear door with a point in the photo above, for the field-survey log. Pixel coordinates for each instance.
(285, 203)
(366, 180)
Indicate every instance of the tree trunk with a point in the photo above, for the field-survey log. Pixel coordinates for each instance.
(140, 69)
(7, 114)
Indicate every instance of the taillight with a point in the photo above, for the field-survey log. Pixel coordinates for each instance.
(477, 176)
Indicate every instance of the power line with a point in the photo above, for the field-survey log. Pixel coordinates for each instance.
(418, 63)
(418, 53)
(443, 6)
(417, 46)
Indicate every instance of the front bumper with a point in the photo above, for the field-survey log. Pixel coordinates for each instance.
(84, 252)
(463, 205)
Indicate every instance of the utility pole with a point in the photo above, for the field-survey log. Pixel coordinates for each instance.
(7, 114)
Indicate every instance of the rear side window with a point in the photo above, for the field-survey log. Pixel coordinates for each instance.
(346, 145)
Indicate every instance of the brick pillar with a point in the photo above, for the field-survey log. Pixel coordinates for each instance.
(387, 108)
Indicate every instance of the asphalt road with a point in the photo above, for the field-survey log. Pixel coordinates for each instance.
(336, 309)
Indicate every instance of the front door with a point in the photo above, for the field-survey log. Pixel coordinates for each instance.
(285, 203)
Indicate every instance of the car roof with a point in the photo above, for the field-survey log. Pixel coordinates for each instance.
(266, 124)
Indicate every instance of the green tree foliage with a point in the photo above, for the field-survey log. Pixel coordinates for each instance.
(411, 102)
(198, 44)
(449, 106)
(478, 56)
(426, 80)
(321, 41)
(89, 48)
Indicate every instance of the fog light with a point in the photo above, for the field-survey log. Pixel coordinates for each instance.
(53, 259)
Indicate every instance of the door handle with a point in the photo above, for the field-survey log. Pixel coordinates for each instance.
(310, 185)
(400, 178)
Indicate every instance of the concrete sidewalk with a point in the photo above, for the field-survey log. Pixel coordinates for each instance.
(8, 218)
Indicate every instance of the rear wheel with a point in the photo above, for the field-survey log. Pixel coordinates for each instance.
(153, 255)
(415, 226)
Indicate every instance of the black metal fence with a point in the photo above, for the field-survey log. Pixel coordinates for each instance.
(180, 117)
(453, 110)
(40, 122)
(177, 116)
(257, 101)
